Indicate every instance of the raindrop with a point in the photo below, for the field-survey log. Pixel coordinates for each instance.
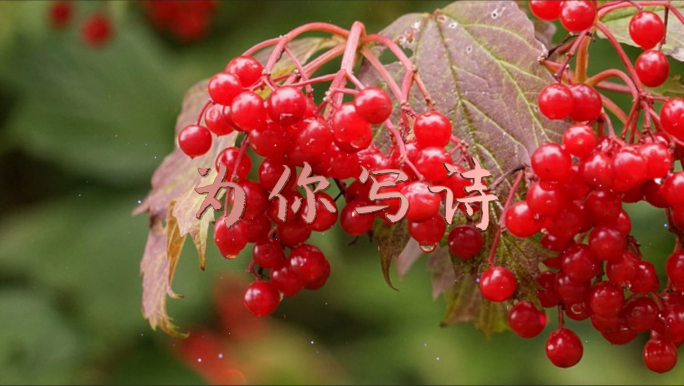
(495, 14)
(428, 248)
(469, 49)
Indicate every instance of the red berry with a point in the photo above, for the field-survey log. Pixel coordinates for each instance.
(314, 285)
(248, 111)
(428, 232)
(641, 314)
(216, 121)
(621, 271)
(606, 299)
(675, 268)
(261, 298)
(61, 13)
(195, 140)
(623, 223)
(224, 87)
(423, 204)
(578, 263)
(230, 241)
(270, 141)
(430, 162)
(526, 320)
(324, 219)
(673, 189)
(563, 348)
(670, 323)
(660, 356)
(551, 163)
(257, 227)
(604, 324)
(247, 69)
(672, 117)
(314, 137)
(97, 30)
(572, 220)
(579, 140)
(645, 280)
(555, 101)
(229, 157)
(373, 105)
(257, 198)
(287, 106)
(629, 168)
(308, 263)
(547, 296)
(544, 200)
(678, 216)
(270, 172)
(578, 15)
(597, 171)
(658, 159)
(432, 128)
(465, 241)
(352, 132)
(285, 280)
(497, 284)
(588, 104)
(652, 68)
(268, 254)
(520, 220)
(620, 336)
(570, 291)
(343, 165)
(646, 29)
(606, 243)
(548, 10)
(354, 223)
(603, 206)
(578, 311)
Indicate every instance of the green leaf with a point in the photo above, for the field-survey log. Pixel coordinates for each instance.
(479, 62)
(672, 87)
(618, 23)
(173, 198)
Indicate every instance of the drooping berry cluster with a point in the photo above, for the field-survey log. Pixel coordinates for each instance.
(575, 196)
(335, 138)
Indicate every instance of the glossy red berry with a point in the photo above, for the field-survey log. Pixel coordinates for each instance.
(230, 157)
(570, 291)
(287, 106)
(465, 241)
(257, 198)
(423, 204)
(646, 29)
(230, 241)
(248, 111)
(217, 122)
(606, 299)
(673, 189)
(579, 140)
(270, 141)
(308, 263)
(641, 314)
(606, 243)
(572, 220)
(578, 311)
(597, 171)
(670, 323)
(324, 218)
(588, 104)
(548, 10)
(195, 140)
(672, 117)
(621, 271)
(578, 15)
(373, 105)
(652, 68)
(603, 207)
(268, 253)
(658, 159)
(320, 282)
(555, 101)
(314, 137)
(660, 356)
(645, 280)
(545, 200)
(430, 162)
(97, 30)
(352, 132)
(432, 128)
(293, 232)
(261, 298)
(285, 280)
(497, 284)
(675, 268)
(526, 320)
(579, 264)
(61, 13)
(621, 335)
(551, 163)
(629, 168)
(520, 220)
(428, 232)
(224, 87)
(564, 348)
(547, 296)
(247, 69)
(354, 223)
(257, 227)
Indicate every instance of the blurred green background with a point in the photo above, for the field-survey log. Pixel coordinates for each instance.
(81, 132)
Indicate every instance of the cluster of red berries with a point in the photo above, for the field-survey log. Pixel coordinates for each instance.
(96, 29)
(188, 21)
(288, 129)
(575, 16)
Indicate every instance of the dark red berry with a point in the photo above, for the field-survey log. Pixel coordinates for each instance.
(675, 268)
(547, 296)
(645, 280)
(324, 219)
(216, 121)
(285, 280)
(570, 291)
(317, 284)
(497, 284)
(270, 172)
(270, 141)
(293, 233)
(579, 264)
(195, 140)
(428, 232)
(660, 356)
(603, 206)
(646, 29)
(314, 137)
(308, 263)
(606, 243)
(563, 348)
(465, 241)
(621, 271)
(641, 314)
(373, 105)
(545, 200)
(658, 159)
(578, 311)
(354, 223)
(630, 169)
(597, 171)
(230, 241)
(257, 227)
(652, 68)
(606, 299)
(430, 162)
(555, 101)
(526, 320)
(352, 132)
(268, 254)
(673, 189)
(261, 298)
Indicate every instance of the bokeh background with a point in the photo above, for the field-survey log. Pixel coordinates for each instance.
(81, 132)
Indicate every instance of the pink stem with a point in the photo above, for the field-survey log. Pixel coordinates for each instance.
(204, 109)
(298, 65)
(623, 56)
(607, 74)
(241, 154)
(570, 54)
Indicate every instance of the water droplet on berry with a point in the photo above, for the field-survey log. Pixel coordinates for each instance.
(428, 248)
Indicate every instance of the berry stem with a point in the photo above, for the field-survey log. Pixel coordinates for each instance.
(380, 68)
(302, 74)
(615, 109)
(241, 155)
(204, 109)
(569, 55)
(623, 56)
(500, 227)
(598, 79)
(582, 60)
